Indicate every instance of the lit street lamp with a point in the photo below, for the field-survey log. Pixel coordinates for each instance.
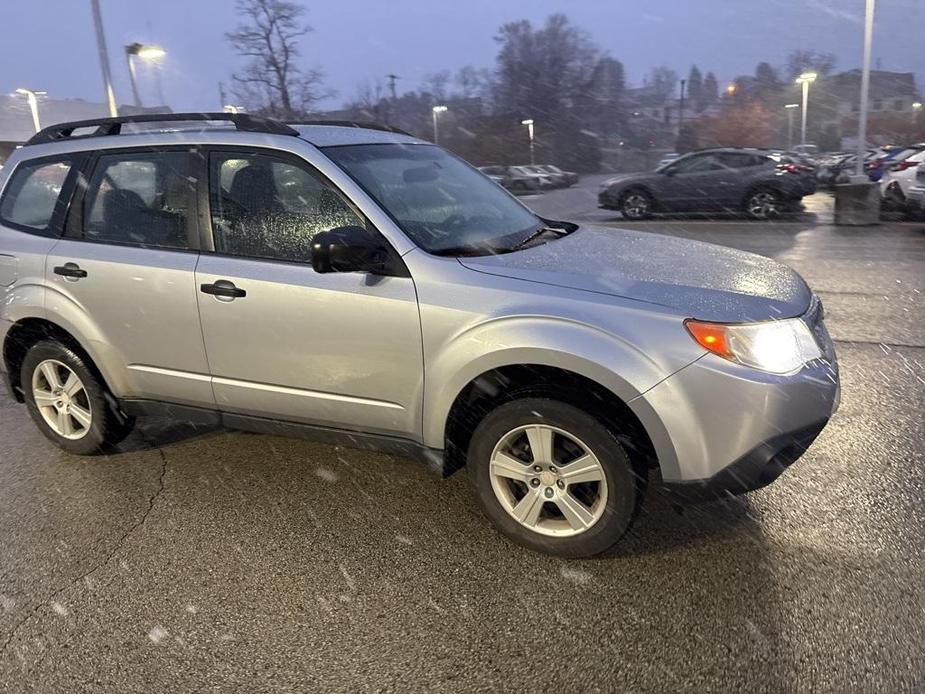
(529, 123)
(233, 108)
(32, 97)
(437, 110)
(805, 80)
(790, 108)
(148, 53)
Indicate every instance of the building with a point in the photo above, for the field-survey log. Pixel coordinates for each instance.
(16, 117)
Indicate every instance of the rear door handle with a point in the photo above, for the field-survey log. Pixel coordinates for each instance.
(70, 270)
(223, 289)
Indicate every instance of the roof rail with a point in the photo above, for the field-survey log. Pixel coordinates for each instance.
(113, 126)
(352, 124)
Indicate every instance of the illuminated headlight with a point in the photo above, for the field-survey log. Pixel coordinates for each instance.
(778, 346)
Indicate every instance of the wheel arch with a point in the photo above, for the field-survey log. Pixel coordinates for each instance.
(507, 383)
(640, 187)
(26, 332)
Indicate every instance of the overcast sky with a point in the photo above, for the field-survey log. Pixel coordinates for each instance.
(49, 44)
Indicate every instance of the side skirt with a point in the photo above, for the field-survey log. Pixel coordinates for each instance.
(379, 443)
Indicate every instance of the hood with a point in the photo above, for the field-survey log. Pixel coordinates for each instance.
(700, 280)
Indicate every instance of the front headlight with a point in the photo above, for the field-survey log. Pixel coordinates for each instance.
(778, 346)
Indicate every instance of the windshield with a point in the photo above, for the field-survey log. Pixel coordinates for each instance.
(443, 204)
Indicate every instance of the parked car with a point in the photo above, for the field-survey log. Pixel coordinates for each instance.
(899, 178)
(394, 298)
(491, 172)
(715, 179)
(890, 158)
(915, 198)
(563, 179)
(519, 179)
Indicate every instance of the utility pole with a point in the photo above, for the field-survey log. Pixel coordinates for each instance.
(104, 58)
(392, 79)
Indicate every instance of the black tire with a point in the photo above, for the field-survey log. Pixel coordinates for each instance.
(624, 488)
(764, 204)
(107, 427)
(636, 204)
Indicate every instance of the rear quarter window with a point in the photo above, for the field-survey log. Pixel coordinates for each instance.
(33, 195)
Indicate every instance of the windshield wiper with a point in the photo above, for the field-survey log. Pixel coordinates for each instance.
(536, 234)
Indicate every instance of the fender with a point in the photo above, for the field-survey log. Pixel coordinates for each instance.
(522, 340)
(62, 310)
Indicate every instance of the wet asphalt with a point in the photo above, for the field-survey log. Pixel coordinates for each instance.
(222, 561)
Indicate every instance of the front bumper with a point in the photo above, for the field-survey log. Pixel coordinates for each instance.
(722, 428)
(754, 470)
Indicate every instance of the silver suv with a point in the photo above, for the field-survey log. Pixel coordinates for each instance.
(362, 286)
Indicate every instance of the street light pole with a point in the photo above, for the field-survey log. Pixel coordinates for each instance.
(529, 123)
(437, 110)
(805, 80)
(104, 58)
(129, 54)
(149, 53)
(32, 97)
(865, 88)
(790, 108)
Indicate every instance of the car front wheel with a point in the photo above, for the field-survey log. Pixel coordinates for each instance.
(636, 205)
(553, 478)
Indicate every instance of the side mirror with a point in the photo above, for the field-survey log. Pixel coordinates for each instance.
(350, 249)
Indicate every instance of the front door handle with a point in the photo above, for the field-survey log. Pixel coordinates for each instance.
(223, 289)
(71, 270)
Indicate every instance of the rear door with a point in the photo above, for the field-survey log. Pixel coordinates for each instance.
(122, 277)
(738, 172)
(334, 349)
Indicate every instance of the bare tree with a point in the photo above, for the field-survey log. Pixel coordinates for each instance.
(803, 61)
(436, 84)
(272, 83)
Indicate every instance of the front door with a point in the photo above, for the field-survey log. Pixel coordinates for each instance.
(338, 349)
(693, 182)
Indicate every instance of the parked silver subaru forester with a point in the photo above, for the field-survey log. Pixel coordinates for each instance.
(362, 286)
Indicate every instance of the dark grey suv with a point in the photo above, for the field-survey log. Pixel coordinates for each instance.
(750, 181)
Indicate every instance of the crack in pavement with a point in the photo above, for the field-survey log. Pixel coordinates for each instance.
(96, 567)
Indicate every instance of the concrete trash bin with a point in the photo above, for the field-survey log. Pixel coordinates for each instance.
(857, 204)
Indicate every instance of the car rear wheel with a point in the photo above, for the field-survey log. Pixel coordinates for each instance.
(68, 401)
(636, 204)
(764, 204)
(553, 478)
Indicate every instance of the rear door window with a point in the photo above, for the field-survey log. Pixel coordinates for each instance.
(34, 195)
(141, 199)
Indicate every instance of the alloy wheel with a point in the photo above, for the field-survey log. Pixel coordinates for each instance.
(635, 206)
(548, 480)
(763, 205)
(61, 399)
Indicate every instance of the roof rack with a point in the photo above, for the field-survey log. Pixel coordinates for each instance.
(113, 126)
(352, 124)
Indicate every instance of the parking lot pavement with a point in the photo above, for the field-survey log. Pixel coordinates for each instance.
(221, 561)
